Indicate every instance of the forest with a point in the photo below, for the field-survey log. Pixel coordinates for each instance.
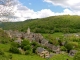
(64, 24)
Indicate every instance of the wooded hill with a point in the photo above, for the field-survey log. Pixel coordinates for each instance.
(65, 24)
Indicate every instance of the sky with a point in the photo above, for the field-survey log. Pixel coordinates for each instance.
(38, 5)
(31, 9)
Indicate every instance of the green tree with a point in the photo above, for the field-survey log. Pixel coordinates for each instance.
(27, 47)
(24, 43)
(69, 47)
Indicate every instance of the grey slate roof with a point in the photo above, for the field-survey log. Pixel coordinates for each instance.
(44, 41)
(40, 49)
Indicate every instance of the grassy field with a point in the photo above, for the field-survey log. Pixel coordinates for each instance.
(54, 35)
(61, 57)
(5, 47)
(26, 57)
(35, 57)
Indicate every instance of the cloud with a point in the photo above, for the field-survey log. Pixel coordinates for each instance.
(74, 5)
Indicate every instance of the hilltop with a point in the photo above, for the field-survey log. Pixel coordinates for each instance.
(65, 24)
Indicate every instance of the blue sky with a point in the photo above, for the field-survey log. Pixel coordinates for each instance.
(38, 5)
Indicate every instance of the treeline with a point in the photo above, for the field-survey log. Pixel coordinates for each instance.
(65, 24)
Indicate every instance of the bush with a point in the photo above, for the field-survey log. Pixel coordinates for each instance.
(63, 48)
(77, 56)
(14, 50)
(34, 49)
(34, 44)
(28, 47)
(28, 52)
(14, 44)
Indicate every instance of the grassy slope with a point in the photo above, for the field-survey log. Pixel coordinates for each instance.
(26, 57)
(61, 57)
(5, 48)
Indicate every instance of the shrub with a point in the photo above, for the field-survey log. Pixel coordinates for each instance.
(34, 49)
(28, 52)
(14, 50)
(34, 44)
(63, 48)
(14, 44)
(28, 47)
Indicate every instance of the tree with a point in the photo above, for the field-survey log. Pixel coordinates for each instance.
(6, 10)
(28, 47)
(24, 43)
(69, 47)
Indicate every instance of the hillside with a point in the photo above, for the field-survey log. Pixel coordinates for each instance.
(65, 24)
(25, 44)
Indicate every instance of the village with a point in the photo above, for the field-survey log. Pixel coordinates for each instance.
(37, 37)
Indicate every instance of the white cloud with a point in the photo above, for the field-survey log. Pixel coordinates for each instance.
(21, 13)
(72, 4)
(65, 12)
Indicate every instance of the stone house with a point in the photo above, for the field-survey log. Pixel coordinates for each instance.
(52, 47)
(44, 42)
(14, 34)
(56, 49)
(42, 52)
